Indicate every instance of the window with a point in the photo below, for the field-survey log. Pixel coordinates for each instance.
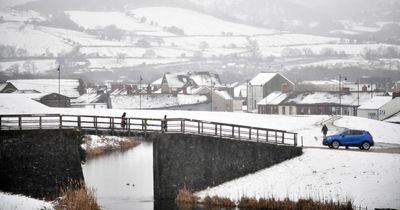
(346, 133)
(372, 115)
(290, 110)
(355, 133)
(283, 110)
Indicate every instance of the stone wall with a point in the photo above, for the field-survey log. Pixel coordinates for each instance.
(39, 163)
(202, 161)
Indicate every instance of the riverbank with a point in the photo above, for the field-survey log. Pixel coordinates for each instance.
(98, 145)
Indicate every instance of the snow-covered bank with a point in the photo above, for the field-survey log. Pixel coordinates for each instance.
(98, 145)
(368, 179)
(20, 202)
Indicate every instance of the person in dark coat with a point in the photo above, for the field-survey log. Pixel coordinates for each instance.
(123, 121)
(324, 130)
(164, 124)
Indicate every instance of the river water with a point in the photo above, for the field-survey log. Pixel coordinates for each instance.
(123, 180)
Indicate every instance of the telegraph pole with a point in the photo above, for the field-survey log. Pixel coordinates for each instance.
(59, 85)
(340, 94)
(140, 93)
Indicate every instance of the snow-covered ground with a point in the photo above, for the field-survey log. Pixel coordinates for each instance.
(93, 20)
(34, 41)
(369, 179)
(31, 66)
(20, 202)
(20, 15)
(194, 23)
(127, 62)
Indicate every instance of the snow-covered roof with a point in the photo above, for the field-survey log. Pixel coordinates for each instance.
(200, 90)
(223, 94)
(10, 101)
(88, 98)
(376, 102)
(68, 87)
(274, 98)
(329, 98)
(155, 101)
(180, 79)
(176, 80)
(157, 82)
(394, 119)
(264, 77)
(205, 78)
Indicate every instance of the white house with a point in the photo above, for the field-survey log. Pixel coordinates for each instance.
(263, 84)
(379, 108)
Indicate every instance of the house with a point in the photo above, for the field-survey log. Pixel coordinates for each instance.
(263, 84)
(379, 108)
(221, 101)
(176, 82)
(333, 85)
(68, 87)
(54, 100)
(239, 97)
(313, 103)
(173, 83)
(7, 87)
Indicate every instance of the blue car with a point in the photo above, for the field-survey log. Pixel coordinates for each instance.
(350, 138)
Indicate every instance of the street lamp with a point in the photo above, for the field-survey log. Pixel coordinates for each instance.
(212, 95)
(59, 85)
(340, 92)
(251, 100)
(358, 93)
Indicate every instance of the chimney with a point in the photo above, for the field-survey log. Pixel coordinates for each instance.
(284, 88)
(364, 88)
(345, 91)
(395, 95)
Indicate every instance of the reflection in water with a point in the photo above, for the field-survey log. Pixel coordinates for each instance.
(124, 180)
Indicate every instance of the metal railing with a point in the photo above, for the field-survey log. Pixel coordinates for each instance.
(141, 125)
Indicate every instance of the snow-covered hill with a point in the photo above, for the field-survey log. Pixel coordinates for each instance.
(194, 23)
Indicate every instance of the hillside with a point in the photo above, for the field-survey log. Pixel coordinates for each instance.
(164, 39)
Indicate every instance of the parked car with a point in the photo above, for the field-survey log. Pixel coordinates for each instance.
(350, 138)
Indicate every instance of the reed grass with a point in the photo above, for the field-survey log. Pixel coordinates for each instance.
(81, 198)
(186, 196)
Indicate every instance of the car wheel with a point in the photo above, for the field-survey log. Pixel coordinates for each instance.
(366, 145)
(335, 145)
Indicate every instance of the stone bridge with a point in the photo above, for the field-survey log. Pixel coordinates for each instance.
(195, 153)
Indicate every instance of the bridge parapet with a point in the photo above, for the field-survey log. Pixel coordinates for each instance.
(143, 125)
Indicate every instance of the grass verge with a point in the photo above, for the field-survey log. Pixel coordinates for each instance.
(186, 196)
(81, 198)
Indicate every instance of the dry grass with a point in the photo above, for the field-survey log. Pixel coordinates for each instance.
(80, 198)
(218, 201)
(110, 146)
(186, 196)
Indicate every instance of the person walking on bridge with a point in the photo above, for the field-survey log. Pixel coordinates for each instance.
(123, 121)
(164, 124)
(324, 130)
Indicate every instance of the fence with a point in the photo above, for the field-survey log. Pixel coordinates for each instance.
(174, 125)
